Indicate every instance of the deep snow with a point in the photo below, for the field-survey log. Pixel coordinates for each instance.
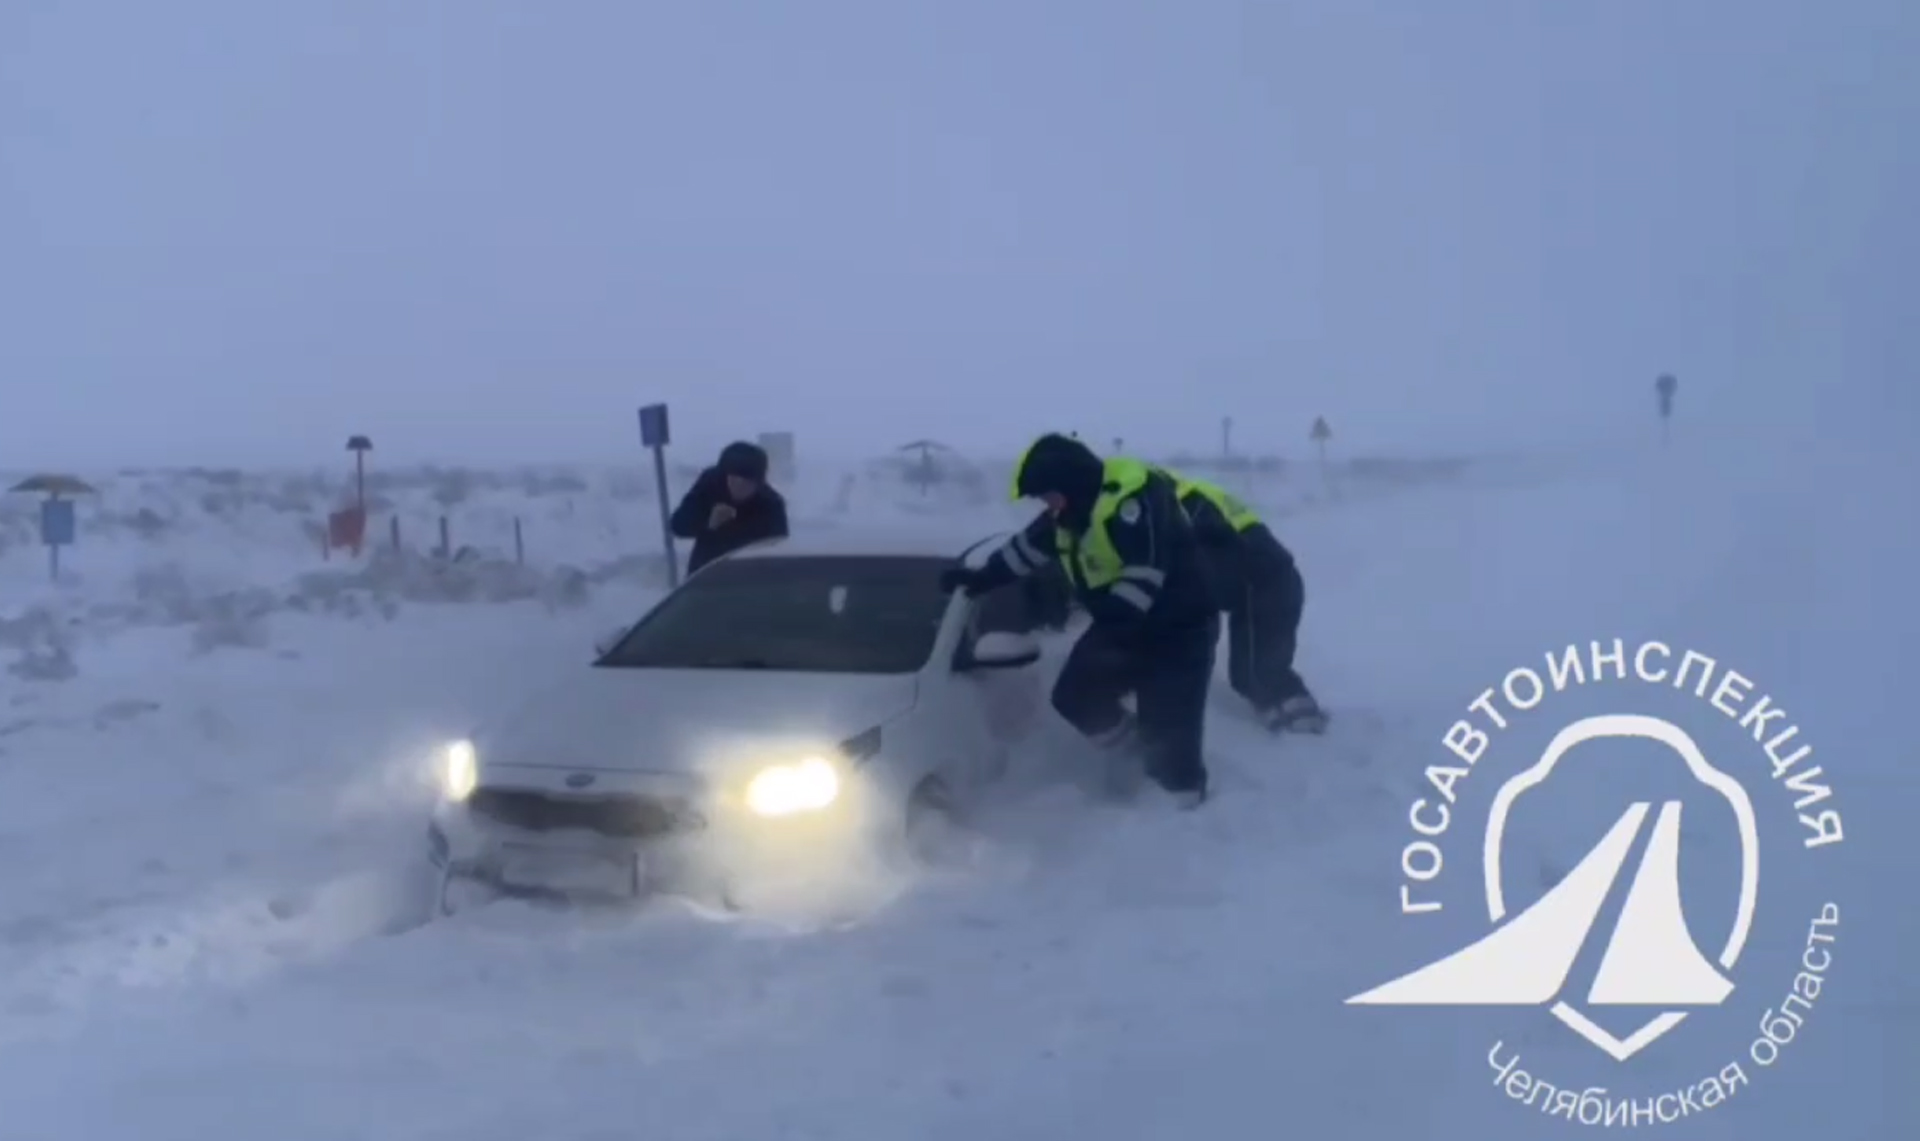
(202, 848)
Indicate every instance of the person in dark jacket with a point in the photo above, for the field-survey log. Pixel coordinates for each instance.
(1260, 589)
(1116, 528)
(730, 506)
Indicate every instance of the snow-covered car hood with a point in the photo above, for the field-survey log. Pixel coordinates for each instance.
(675, 721)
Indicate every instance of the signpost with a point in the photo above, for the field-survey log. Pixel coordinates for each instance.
(1226, 437)
(359, 446)
(58, 527)
(1665, 387)
(654, 435)
(347, 527)
(1320, 434)
(56, 530)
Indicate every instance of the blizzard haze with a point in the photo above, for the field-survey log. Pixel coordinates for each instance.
(235, 231)
(1469, 234)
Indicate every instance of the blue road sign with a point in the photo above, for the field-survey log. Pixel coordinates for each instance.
(56, 522)
(653, 435)
(653, 426)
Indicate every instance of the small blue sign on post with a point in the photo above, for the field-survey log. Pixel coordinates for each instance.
(57, 526)
(653, 426)
(57, 530)
(653, 435)
(56, 522)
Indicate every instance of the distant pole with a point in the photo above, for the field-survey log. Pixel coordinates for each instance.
(1665, 387)
(1320, 433)
(654, 435)
(1226, 437)
(359, 446)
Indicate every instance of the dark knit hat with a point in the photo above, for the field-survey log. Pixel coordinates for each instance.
(748, 461)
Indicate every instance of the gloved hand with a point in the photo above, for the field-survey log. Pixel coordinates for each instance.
(962, 579)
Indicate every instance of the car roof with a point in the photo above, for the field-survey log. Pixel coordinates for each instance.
(878, 542)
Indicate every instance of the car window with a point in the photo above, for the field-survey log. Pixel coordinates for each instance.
(824, 614)
(1002, 611)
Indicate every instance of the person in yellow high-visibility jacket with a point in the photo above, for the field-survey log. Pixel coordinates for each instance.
(1260, 588)
(1115, 527)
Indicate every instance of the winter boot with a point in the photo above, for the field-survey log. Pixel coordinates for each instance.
(1300, 714)
(1124, 770)
(1186, 788)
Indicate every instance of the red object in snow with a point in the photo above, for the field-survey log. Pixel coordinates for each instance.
(347, 527)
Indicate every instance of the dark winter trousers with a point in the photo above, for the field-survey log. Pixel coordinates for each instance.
(1263, 633)
(1168, 678)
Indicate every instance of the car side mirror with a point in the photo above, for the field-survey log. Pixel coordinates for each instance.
(999, 651)
(607, 641)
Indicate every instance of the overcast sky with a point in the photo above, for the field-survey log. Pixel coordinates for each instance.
(238, 230)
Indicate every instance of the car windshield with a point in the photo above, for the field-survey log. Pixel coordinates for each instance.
(825, 614)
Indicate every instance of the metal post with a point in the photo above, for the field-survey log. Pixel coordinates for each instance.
(50, 534)
(666, 514)
(654, 435)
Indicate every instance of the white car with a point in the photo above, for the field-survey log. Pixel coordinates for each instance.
(788, 705)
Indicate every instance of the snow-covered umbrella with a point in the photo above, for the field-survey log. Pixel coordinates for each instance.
(48, 483)
(929, 472)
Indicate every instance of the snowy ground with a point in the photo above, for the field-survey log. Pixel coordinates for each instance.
(203, 809)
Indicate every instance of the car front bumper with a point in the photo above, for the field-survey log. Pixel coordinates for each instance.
(541, 841)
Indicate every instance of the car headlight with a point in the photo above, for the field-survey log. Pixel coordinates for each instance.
(787, 790)
(459, 770)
